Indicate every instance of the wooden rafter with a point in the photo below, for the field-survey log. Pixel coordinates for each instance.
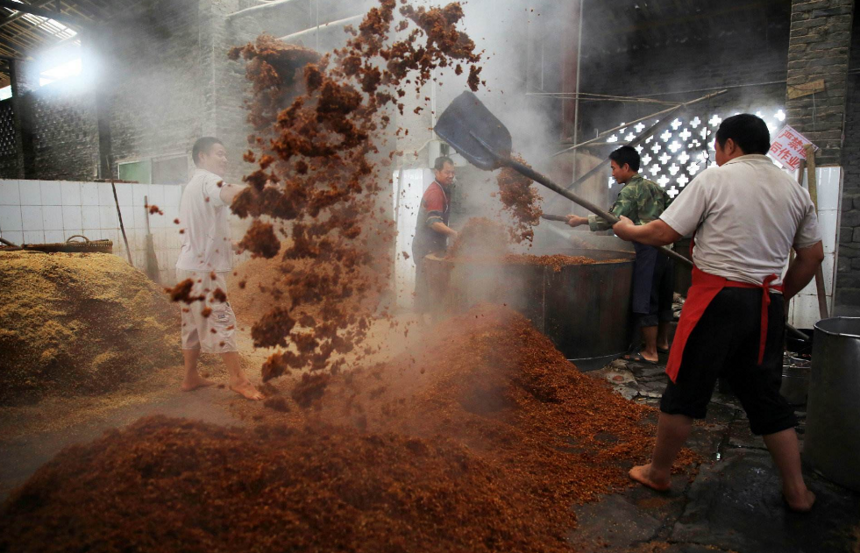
(21, 38)
(72, 21)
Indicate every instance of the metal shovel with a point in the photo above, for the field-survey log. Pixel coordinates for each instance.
(477, 135)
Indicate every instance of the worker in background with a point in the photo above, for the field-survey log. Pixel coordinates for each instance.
(642, 201)
(206, 258)
(431, 230)
(746, 214)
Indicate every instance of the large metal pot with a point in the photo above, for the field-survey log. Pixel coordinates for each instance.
(795, 379)
(583, 309)
(832, 443)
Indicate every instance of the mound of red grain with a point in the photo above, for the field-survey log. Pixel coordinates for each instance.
(480, 439)
(556, 262)
(490, 380)
(175, 485)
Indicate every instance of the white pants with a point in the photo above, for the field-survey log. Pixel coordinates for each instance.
(212, 331)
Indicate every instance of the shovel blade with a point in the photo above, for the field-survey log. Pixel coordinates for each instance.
(474, 132)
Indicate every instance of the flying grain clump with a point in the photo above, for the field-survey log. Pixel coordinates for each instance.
(319, 125)
(521, 200)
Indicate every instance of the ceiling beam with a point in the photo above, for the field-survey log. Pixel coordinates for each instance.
(76, 23)
(11, 18)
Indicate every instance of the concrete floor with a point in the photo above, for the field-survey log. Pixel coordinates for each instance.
(733, 504)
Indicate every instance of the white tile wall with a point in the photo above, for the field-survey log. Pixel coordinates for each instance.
(171, 213)
(52, 217)
(30, 192)
(31, 215)
(172, 195)
(10, 218)
(72, 218)
(156, 194)
(139, 192)
(89, 193)
(90, 215)
(106, 194)
(127, 215)
(139, 221)
(123, 193)
(51, 194)
(107, 217)
(14, 236)
(9, 194)
(53, 211)
(34, 237)
(827, 225)
(804, 311)
(54, 237)
(71, 192)
(157, 221)
(828, 184)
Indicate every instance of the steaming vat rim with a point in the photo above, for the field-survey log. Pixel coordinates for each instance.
(628, 258)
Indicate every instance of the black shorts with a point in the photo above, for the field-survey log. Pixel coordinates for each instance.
(653, 286)
(725, 343)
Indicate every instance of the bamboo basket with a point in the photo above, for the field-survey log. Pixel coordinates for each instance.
(74, 246)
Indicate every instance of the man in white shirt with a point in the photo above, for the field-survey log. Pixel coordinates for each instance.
(205, 259)
(746, 215)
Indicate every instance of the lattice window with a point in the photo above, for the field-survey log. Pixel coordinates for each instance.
(674, 156)
(8, 142)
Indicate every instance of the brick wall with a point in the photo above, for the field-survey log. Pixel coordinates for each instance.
(152, 80)
(62, 133)
(818, 49)
(848, 277)
(65, 135)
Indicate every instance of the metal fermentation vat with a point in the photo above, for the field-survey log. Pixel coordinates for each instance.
(832, 441)
(583, 309)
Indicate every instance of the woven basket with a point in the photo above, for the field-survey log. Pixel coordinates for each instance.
(74, 246)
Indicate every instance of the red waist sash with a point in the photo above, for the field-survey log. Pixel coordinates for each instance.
(704, 289)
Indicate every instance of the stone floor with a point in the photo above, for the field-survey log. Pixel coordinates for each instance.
(733, 504)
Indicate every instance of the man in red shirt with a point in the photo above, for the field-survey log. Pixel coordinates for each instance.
(432, 230)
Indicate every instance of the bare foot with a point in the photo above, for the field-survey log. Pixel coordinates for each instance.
(642, 474)
(195, 382)
(245, 389)
(801, 504)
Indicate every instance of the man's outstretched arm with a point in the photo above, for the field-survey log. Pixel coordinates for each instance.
(229, 192)
(655, 233)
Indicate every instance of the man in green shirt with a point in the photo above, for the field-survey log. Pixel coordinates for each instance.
(641, 201)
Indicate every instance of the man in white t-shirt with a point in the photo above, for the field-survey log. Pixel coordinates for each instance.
(206, 259)
(746, 215)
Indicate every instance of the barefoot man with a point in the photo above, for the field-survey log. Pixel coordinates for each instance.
(206, 258)
(746, 214)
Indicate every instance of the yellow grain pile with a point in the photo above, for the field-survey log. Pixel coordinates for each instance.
(79, 323)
